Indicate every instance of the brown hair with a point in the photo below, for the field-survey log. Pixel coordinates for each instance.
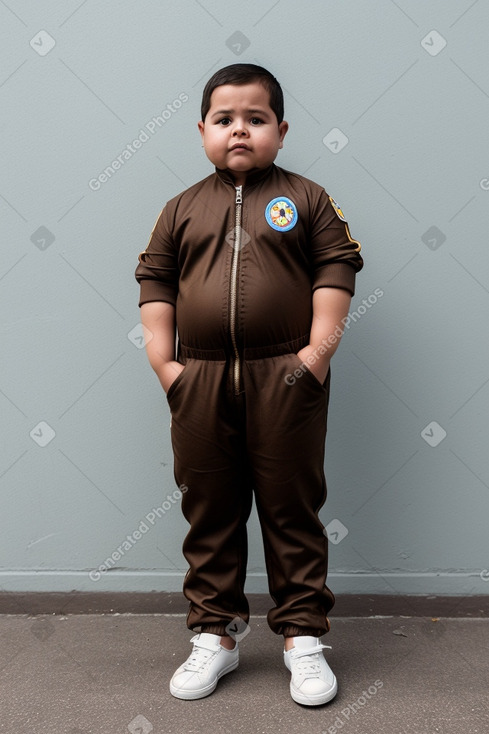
(245, 74)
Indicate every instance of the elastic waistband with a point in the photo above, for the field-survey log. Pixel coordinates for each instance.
(270, 350)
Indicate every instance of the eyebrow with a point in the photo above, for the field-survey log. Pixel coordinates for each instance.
(230, 112)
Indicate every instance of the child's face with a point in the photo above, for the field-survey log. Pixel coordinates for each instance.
(240, 115)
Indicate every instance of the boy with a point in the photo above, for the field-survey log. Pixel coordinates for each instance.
(255, 267)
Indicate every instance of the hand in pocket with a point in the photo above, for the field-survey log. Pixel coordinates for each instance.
(169, 373)
(318, 364)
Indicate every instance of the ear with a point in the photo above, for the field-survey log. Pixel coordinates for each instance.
(282, 129)
(200, 125)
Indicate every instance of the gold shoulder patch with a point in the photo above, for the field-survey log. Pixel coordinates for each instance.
(341, 216)
(337, 209)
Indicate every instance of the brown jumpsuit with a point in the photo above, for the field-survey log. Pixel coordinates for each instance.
(240, 265)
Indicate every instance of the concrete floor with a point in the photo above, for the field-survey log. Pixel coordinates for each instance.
(109, 674)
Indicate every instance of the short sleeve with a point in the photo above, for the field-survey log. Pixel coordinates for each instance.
(157, 271)
(335, 254)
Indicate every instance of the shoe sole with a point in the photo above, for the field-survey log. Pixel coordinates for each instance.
(202, 692)
(316, 700)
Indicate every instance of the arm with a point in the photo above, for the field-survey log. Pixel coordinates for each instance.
(158, 317)
(329, 307)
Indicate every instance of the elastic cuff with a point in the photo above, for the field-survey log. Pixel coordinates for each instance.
(292, 630)
(213, 629)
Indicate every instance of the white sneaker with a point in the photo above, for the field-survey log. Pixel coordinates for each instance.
(208, 661)
(312, 682)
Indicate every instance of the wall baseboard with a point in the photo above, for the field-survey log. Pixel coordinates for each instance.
(347, 605)
(143, 581)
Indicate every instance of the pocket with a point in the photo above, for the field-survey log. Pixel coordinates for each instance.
(176, 382)
(302, 372)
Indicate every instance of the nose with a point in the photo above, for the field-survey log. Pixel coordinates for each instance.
(239, 131)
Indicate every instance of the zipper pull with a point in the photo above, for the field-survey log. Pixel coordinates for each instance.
(239, 192)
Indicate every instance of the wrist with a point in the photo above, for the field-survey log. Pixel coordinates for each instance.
(316, 359)
(167, 372)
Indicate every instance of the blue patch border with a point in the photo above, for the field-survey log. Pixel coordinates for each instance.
(268, 216)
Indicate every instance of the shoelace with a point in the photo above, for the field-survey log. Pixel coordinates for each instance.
(310, 667)
(198, 659)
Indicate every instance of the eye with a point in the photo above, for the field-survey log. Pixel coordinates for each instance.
(256, 121)
(224, 121)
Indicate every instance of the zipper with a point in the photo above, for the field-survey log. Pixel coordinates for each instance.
(234, 287)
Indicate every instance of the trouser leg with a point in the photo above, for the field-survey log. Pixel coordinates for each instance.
(286, 427)
(209, 458)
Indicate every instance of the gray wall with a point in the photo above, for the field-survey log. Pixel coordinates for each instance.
(85, 447)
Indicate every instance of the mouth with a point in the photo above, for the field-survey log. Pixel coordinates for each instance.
(240, 146)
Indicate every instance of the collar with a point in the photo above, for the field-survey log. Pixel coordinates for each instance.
(252, 177)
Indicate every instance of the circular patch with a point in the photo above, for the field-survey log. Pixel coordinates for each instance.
(281, 214)
(337, 209)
